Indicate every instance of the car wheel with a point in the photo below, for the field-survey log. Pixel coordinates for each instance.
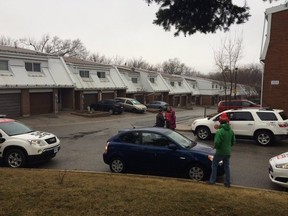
(134, 110)
(203, 133)
(117, 165)
(197, 172)
(110, 111)
(15, 158)
(264, 138)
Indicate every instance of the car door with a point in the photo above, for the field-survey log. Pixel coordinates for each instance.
(242, 122)
(134, 152)
(165, 159)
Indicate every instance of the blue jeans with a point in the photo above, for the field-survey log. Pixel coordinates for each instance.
(226, 164)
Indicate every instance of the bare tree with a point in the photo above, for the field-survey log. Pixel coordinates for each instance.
(226, 59)
(117, 60)
(102, 59)
(7, 41)
(56, 46)
(138, 63)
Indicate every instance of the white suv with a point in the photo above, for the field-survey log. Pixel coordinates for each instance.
(19, 145)
(263, 125)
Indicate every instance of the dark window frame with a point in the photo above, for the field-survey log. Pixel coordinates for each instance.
(33, 66)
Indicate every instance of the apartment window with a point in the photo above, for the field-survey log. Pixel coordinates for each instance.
(84, 74)
(179, 83)
(32, 66)
(194, 86)
(212, 86)
(3, 65)
(134, 80)
(152, 79)
(172, 83)
(101, 75)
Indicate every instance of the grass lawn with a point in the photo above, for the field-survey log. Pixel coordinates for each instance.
(49, 192)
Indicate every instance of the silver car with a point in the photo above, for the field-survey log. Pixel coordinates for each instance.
(132, 105)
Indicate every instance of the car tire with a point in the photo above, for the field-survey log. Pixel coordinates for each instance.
(15, 158)
(264, 137)
(117, 165)
(197, 172)
(203, 133)
(111, 111)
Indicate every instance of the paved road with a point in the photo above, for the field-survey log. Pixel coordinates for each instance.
(83, 141)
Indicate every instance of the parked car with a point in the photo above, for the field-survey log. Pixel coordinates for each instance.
(109, 105)
(278, 169)
(132, 105)
(160, 150)
(263, 125)
(20, 145)
(157, 105)
(235, 104)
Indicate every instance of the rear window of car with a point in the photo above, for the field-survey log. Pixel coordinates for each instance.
(283, 115)
(267, 116)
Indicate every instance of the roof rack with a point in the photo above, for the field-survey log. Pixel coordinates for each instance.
(266, 108)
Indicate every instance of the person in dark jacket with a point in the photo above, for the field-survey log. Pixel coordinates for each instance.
(224, 140)
(160, 120)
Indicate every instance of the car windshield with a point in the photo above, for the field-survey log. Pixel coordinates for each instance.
(180, 139)
(135, 102)
(14, 128)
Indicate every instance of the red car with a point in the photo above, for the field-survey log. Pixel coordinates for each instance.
(235, 104)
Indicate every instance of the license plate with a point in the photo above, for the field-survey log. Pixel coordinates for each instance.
(55, 150)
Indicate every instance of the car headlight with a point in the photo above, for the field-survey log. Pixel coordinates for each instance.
(36, 142)
(210, 157)
(282, 166)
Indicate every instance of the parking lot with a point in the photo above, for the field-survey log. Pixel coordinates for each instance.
(83, 141)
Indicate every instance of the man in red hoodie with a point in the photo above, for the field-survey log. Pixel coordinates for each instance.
(170, 118)
(224, 140)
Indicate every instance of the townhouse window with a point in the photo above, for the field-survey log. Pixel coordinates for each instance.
(172, 83)
(3, 65)
(32, 66)
(152, 79)
(84, 74)
(134, 80)
(179, 83)
(101, 75)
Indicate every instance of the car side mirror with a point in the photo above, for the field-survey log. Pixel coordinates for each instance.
(2, 139)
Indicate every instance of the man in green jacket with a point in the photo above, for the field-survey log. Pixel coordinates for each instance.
(224, 140)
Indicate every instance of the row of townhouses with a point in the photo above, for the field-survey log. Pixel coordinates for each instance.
(38, 83)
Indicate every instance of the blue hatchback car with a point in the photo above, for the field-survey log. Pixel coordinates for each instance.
(160, 150)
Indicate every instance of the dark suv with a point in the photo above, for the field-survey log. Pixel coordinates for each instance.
(109, 105)
(235, 104)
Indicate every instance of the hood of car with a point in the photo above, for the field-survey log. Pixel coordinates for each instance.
(281, 158)
(203, 148)
(35, 135)
(140, 106)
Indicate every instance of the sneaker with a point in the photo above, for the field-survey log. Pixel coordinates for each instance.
(227, 185)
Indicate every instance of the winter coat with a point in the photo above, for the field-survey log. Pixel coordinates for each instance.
(160, 121)
(224, 139)
(170, 119)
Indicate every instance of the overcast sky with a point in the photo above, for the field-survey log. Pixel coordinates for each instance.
(124, 28)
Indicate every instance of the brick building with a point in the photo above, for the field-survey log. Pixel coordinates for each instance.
(274, 55)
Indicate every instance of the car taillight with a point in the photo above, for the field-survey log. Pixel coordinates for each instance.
(283, 124)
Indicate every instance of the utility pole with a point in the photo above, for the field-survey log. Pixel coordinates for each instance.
(235, 82)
